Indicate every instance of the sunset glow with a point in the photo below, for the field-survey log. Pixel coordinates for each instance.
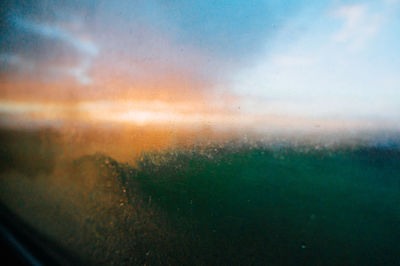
(149, 64)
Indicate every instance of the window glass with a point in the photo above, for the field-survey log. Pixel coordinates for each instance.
(200, 132)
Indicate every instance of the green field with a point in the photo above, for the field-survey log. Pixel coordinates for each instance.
(229, 204)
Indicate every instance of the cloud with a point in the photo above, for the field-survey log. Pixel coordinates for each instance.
(12, 62)
(46, 51)
(359, 25)
(337, 68)
(293, 60)
(54, 32)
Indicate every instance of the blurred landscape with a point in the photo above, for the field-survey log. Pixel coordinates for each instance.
(201, 132)
(153, 196)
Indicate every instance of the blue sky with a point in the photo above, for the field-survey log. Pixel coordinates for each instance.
(310, 59)
(344, 63)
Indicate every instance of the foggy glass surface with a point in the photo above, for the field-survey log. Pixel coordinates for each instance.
(200, 132)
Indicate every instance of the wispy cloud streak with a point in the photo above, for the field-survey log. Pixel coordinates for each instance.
(86, 49)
